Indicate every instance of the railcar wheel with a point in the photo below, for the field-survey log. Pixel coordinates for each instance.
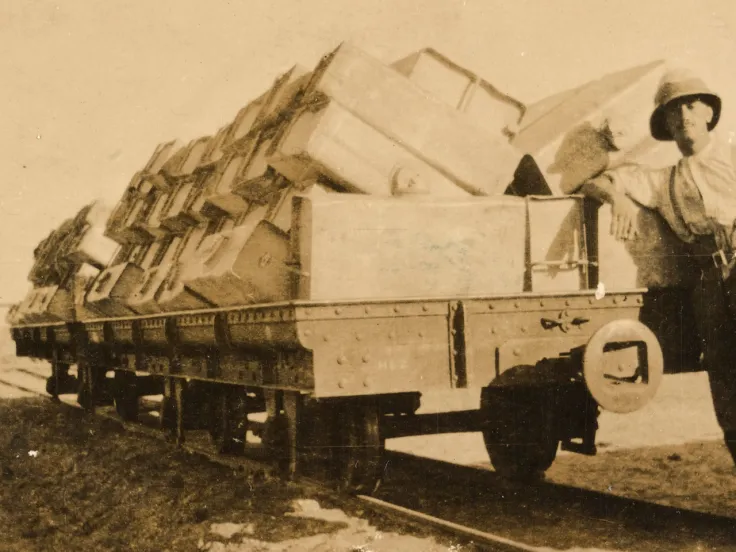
(360, 450)
(126, 395)
(519, 435)
(228, 422)
(60, 381)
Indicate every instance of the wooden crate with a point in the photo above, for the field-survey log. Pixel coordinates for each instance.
(356, 247)
(245, 265)
(484, 104)
(333, 142)
(112, 288)
(476, 159)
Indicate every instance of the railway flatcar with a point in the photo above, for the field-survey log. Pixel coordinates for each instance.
(354, 240)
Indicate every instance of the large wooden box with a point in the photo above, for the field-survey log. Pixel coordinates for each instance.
(176, 216)
(144, 297)
(161, 154)
(112, 288)
(173, 294)
(245, 265)
(81, 284)
(221, 194)
(350, 247)
(214, 149)
(281, 205)
(185, 160)
(49, 304)
(244, 122)
(484, 104)
(476, 159)
(90, 245)
(283, 94)
(335, 143)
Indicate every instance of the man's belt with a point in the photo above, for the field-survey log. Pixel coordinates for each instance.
(705, 246)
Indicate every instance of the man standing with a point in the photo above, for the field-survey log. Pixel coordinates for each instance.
(697, 198)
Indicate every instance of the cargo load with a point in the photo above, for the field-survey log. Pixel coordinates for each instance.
(360, 179)
(359, 235)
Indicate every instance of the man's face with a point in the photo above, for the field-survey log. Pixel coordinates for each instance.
(687, 119)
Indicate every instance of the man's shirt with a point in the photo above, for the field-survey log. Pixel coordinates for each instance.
(703, 186)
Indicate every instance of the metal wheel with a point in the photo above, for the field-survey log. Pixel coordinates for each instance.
(228, 419)
(519, 435)
(360, 454)
(126, 395)
(60, 381)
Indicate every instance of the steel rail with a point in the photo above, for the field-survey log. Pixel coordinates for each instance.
(612, 505)
(489, 541)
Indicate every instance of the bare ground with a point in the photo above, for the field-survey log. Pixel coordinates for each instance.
(69, 481)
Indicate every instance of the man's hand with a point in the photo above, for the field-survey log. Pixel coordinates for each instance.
(624, 210)
(623, 217)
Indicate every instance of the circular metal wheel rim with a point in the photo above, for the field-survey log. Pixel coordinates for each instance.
(507, 460)
(505, 442)
(361, 452)
(632, 398)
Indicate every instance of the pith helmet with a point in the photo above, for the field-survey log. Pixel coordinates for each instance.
(675, 84)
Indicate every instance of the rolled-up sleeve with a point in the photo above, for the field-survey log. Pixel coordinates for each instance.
(645, 186)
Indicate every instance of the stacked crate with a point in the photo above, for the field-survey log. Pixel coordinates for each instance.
(356, 179)
(77, 249)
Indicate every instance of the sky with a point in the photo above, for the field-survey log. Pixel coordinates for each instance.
(89, 88)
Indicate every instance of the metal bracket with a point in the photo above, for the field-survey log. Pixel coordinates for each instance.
(458, 360)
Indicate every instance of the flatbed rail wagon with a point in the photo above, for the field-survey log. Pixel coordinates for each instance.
(299, 281)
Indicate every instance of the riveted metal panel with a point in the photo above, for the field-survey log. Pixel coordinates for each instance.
(373, 355)
(262, 328)
(62, 335)
(292, 369)
(95, 332)
(153, 331)
(196, 329)
(557, 323)
(123, 331)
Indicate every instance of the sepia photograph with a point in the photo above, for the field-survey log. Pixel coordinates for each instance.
(368, 276)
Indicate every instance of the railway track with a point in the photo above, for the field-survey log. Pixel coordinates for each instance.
(487, 512)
